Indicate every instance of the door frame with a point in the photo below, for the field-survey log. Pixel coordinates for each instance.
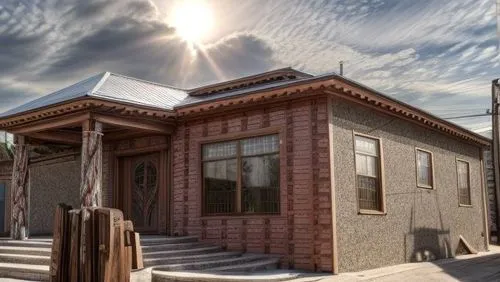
(164, 191)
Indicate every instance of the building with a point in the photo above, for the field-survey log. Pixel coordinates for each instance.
(328, 173)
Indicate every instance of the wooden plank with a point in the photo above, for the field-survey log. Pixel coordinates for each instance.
(59, 259)
(52, 123)
(87, 249)
(74, 250)
(135, 123)
(128, 234)
(137, 260)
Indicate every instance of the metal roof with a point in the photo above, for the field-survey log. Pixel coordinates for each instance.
(194, 100)
(112, 87)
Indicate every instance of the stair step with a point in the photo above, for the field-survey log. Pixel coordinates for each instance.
(268, 276)
(26, 243)
(170, 247)
(266, 264)
(25, 250)
(190, 258)
(194, 251)
(155, 240)
(25, 259)
(24, 271)
(205, 265)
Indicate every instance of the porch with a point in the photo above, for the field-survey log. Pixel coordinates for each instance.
(120, 159)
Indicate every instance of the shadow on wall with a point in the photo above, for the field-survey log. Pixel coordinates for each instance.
(425, 243)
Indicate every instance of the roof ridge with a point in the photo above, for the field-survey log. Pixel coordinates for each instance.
(147, 81)
(101, 81)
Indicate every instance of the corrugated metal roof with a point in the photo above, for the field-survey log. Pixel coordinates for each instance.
(112, 87)
(193, 100)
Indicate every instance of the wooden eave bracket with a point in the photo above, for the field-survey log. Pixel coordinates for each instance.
(467, 245)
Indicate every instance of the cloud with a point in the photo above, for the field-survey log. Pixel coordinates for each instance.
(60, 44)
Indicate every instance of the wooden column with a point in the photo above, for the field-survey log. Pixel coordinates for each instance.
(91, 174)
(19, 191)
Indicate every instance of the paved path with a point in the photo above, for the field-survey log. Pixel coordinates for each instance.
(484, 266)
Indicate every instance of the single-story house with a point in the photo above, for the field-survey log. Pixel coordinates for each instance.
(327, 173)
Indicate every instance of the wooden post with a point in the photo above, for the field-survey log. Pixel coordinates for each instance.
(19, 191)
(495, 102)
(91, 174)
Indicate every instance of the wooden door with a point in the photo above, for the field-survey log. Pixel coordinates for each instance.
(141, 191)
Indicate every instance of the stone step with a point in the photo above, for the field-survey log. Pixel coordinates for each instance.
(24, 271)
(259, 265)
(25, 250)
(156, 240)
(205, 265)
(171, 247)
(25, 259)
(175, 253)
(190, 258)
(26, 243)
(268, 276)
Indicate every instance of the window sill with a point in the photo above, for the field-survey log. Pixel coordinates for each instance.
(371, 212)
(423, 186)
(465, 206)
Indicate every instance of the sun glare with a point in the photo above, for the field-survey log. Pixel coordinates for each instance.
(192, 20)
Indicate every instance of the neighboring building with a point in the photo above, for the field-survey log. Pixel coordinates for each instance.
(327, 173)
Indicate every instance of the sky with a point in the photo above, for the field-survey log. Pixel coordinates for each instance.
(438, 55)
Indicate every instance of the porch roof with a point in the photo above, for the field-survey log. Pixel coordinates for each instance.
(112, 87)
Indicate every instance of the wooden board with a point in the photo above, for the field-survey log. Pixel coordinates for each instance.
(74, 246)
(137, 262)
(59, 258)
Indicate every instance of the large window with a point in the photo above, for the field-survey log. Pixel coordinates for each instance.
(242, 176)
(463, 175)
(368, 167)
(425, 177)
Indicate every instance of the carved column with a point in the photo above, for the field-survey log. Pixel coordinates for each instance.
(19, 191)
(91, 174)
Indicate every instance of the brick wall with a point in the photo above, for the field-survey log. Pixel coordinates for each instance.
(301, 233)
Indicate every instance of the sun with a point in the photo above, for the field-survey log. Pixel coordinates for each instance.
(192, 20)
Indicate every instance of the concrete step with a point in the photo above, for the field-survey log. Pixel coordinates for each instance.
(175, 253)
(268, 276)
(259, 265)
(191, 258)
(206, 265)
(25, 259)
(25, 250)
(171, 247)
(26, 243)
(24, 271)
(157, 240)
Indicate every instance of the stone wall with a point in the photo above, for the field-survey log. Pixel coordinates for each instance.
(52, 181)
(417, 219)
(301, 233)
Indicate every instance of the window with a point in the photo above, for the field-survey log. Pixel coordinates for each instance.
(463, 175)
(425, 177)
(368, 173)
(242, 176)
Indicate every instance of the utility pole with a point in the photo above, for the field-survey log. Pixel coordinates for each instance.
(495, 118)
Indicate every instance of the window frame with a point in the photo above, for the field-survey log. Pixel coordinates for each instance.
(237, 137)
(419, 185)
(382, 210)
(457, 160)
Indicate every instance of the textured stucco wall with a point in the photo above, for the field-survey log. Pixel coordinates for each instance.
(416, 218)
(57, 181)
